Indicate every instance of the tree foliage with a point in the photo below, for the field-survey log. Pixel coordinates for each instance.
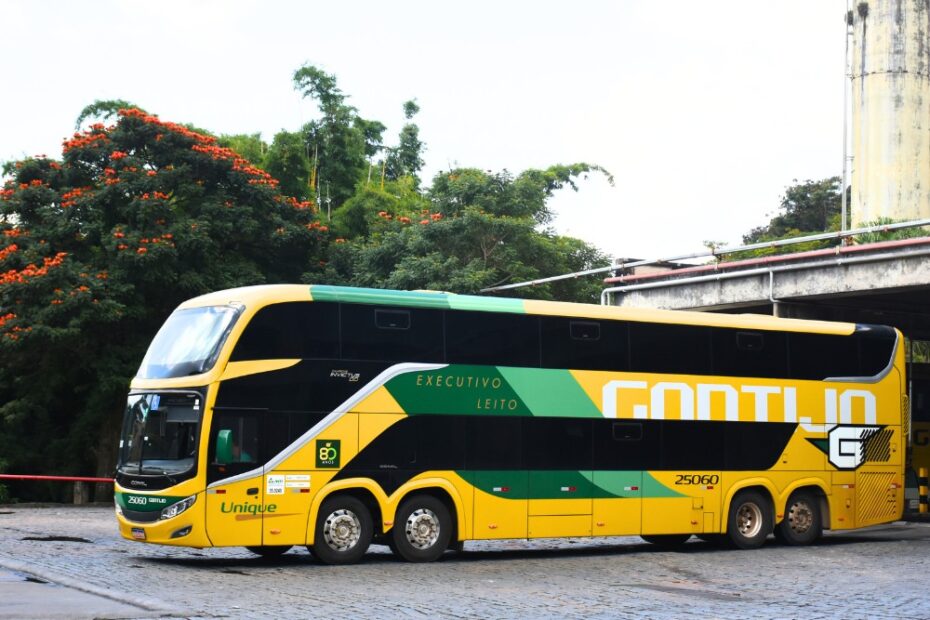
(97, 248)
(339, 141)
(807, 208)
(406, 158)
(472, 230)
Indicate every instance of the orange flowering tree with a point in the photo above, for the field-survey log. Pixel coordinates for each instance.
(97, 248)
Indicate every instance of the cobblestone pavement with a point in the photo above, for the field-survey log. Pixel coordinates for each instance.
(880, 572)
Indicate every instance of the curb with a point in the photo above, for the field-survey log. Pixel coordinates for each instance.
(144, 603)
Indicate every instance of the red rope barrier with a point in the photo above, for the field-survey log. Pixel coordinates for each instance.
(55, 478)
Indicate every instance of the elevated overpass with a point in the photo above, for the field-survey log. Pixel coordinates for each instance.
(885, 282)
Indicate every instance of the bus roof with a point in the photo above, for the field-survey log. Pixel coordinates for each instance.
(277, 293)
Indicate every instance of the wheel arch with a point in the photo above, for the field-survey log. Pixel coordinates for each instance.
(761, 485)
(365, 490)
(439, 488)
(813, 485)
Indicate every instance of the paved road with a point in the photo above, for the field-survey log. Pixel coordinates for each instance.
(881, 572)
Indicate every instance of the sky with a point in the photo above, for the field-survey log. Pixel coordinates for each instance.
(704, 112)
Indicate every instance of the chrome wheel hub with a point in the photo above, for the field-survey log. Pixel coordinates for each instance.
(342, 530)
(422, 528)
(749, 520)
(800, 517)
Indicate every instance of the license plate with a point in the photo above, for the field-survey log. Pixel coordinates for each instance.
(138, 533)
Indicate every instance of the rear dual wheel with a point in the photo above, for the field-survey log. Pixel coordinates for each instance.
(802, 524)
(422, 529)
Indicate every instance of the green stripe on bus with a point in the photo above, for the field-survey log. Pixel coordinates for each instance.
(568, 484)
(553, 393)
(414, 299)
(486, 304)
(654, 488)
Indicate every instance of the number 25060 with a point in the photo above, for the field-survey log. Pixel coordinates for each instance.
(697, 479)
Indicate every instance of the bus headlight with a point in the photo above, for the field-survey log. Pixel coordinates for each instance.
(175, 509)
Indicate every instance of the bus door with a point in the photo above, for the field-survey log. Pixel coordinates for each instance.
(234, 510)
(495, 460)
(559, 459)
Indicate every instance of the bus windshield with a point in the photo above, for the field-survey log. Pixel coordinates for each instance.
(188, 343)
(159, 433)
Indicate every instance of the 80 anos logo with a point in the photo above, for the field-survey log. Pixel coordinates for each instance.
(327, 453)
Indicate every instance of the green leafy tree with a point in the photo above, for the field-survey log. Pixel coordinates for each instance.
(806, 208)
(102, 110)
(339, 142)
(249, 146)
(97, 248)
(477, 230)
(287, 161)
(406, 158)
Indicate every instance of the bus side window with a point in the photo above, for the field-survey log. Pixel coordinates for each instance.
(741, 353)
(558, 443)
(494, 443)
(492, 339)
(292, 330)
(876, 348)
(391, 334)
(627, 431)
(235, 444)
(673, 349)
(818, 356)
(626, 445)
(584, 345)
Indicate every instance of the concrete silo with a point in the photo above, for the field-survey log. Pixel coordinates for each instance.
(890, 70)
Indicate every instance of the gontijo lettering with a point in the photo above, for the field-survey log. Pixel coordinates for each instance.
(621, 398)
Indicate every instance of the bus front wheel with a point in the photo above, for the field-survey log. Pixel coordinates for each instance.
(343, 530)
(750, 520)
(802, 524)
(422, 529)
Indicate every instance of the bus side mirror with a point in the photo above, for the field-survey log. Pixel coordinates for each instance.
(224, 447)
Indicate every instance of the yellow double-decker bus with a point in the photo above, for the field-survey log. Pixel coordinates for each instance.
(334, 417)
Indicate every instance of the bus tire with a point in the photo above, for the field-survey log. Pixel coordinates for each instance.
(343, 530)
(666, 541)
(268, 551)
(750, 520)
(802, 524)
(422, 529)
